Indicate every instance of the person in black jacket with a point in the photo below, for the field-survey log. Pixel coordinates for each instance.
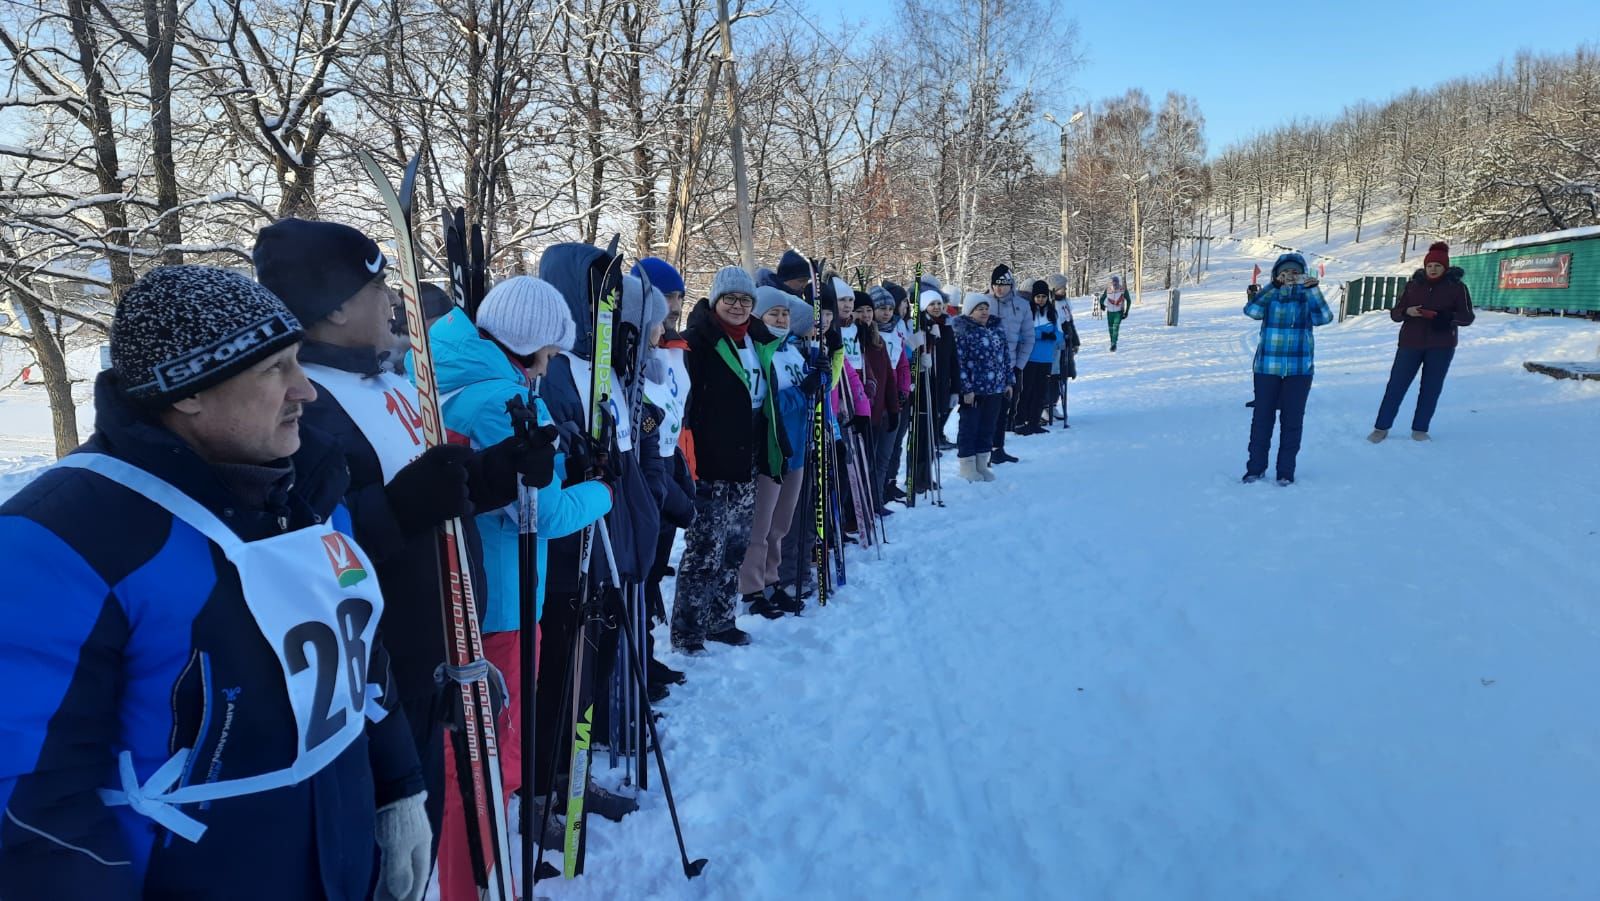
(332, 277)
(937, 369)
(736, 432)
(581, 272)
(199, 585)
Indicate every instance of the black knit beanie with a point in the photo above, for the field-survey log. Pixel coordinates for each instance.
(1002, 276)
(792, 265)
(182, 329)
(314, 267)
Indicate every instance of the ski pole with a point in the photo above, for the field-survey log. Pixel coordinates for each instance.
(527, 565)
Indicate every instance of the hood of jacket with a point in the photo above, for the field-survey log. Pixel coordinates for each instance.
(572, 267)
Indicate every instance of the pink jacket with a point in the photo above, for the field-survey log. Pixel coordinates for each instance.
(859, 404)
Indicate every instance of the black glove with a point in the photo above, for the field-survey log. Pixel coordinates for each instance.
(891, 421)
(861, 424)
(811, 382)
(431, 488)
(577, 467)
(1443, 321)
(905, 398)
(494, 472)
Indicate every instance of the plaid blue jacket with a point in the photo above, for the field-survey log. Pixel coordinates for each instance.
(1287, 314)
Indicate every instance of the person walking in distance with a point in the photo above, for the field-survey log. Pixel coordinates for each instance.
(1115, 302)
(1431, 311)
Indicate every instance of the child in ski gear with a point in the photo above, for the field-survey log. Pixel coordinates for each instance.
(985, 379)
(196, 532)
(1016, 323)
(583, 273)
(1067, 355)
(1289, 309)
(891, 437)
(522, 323)
(794, 379)
(878, 376)
(738, 433)
(1115, 302)
(1434, 305)
(331, 276)
(938, 380)
(667, 389)
(1036, 374)
(896, 328)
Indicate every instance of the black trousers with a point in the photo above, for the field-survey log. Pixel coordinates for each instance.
(1281, 399)
(1034, 395)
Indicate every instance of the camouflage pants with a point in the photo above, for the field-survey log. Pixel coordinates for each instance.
(713, 550)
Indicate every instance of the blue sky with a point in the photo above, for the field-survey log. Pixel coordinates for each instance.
(1253, 64)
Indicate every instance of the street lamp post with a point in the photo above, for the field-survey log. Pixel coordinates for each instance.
(1066, 217)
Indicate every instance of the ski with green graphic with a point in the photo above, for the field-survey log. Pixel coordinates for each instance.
(913, 444)
(604, 298)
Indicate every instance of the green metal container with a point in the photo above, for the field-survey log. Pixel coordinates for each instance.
(1561, 274)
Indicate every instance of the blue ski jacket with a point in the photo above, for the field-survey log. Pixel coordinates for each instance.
(125, 629)
(476, 379)
(983, 356)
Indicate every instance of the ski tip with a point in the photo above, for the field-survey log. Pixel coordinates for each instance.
(691, 870)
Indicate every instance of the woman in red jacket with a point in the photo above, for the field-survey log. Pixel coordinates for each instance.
(1434, 305)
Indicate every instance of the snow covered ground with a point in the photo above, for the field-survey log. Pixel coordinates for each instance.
(1118, 673)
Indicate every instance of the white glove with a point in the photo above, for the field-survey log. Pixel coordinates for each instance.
(403, 838)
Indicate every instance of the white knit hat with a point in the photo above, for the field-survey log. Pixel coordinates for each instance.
(972, 301)
(525, 314)
(931, 296)
(841, 288)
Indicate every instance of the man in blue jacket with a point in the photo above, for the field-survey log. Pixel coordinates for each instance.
(190, 633)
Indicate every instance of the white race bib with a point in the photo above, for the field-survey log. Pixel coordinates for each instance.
(315, 598)
(788, 367)
(620, 414)
(384, 409)
(753, 374)
(852, 347)
(672, 396)
(895, 344)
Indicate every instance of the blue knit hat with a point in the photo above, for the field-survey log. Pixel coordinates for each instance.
(1288, 259)
(663, 274)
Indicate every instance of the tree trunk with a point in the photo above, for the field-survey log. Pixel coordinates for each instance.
(161, 24)
(47, 349)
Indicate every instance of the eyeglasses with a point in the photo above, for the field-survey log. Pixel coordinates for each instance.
(737, 300)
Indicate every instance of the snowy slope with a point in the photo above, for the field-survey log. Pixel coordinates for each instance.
(1118, 673)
